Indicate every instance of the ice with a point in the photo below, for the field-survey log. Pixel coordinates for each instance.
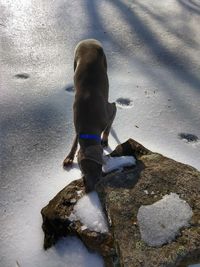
(89, 211)
(114, 163)
(161, 222)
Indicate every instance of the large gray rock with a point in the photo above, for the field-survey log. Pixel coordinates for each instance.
(122, 195)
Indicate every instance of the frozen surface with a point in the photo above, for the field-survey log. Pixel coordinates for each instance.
(153, 51)
(160, 222)
(114, 163)
(89, 211)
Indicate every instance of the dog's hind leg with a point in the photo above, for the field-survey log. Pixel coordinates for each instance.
(112, 113)
(70, 157)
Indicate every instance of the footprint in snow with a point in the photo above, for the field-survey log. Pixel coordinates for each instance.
(70, 89)
(22, 76)
(124, 102)
(190, 138)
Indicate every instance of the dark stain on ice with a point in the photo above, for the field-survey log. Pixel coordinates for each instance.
(22, 76)
(188, 137)
(70, 89)
(124, 102)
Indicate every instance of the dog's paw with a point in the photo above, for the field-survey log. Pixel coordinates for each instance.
(104, 143)
(67, 162)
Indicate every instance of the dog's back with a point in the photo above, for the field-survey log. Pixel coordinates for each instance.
(91, 84)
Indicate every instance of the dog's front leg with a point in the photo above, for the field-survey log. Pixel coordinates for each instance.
(70, 157)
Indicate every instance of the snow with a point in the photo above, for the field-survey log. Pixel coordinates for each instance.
(115, 163)
(153, 53)
(161, 222)
(146, 192)
(88, 211)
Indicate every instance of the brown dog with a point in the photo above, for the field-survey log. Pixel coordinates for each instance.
(93, 114)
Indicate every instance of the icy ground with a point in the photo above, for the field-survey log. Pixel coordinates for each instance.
(153, 51)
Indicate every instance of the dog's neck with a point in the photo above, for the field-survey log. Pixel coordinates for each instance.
(89, 140)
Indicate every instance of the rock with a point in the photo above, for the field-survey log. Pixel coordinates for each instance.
(122, 194)
(58, 222)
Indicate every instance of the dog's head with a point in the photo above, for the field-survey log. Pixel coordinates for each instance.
(90, 161)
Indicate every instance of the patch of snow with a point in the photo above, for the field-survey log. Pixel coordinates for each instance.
(161, 222)
(115, 163)
(79, 192)
(89, 211)
(72, 217)
(84, 227)
(73, 200)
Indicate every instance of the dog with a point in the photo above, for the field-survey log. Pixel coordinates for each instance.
(93, 114)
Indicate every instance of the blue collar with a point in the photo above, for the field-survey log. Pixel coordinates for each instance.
(90, 136)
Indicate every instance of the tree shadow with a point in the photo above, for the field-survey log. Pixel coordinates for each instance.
(97, 29)
(180, 65)
(191, 6)
(184, 35)
(176, 64)
(31, 132)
